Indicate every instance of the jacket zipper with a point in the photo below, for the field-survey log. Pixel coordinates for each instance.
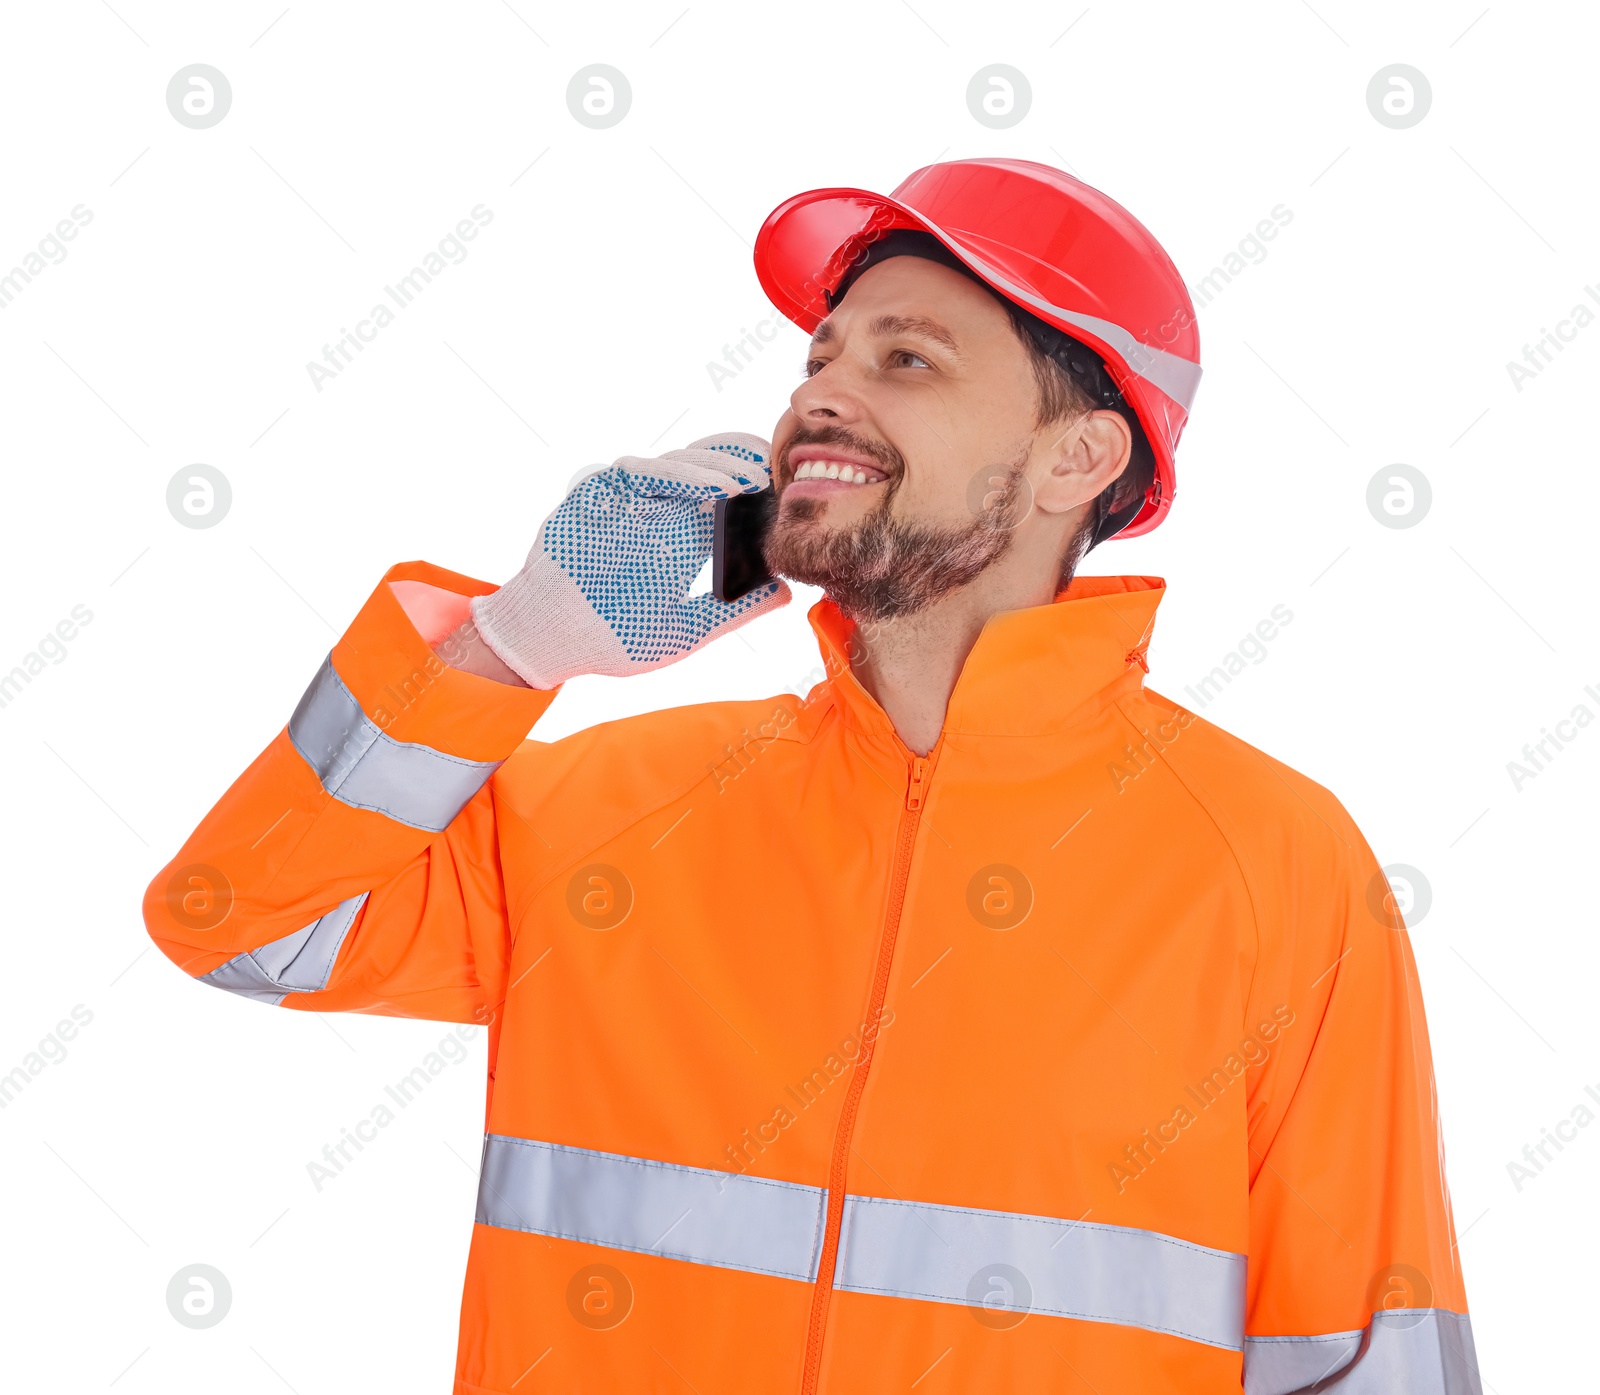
(905, 842)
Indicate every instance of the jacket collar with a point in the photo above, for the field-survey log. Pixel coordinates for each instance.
(1030, 671)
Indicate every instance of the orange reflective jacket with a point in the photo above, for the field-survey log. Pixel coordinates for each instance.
(1086, 1052)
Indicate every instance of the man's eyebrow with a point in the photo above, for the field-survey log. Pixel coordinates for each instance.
(885, 325)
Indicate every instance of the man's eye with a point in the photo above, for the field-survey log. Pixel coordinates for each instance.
(898, 358)
(812, 367)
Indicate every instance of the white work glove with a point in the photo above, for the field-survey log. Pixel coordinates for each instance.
(605, 587)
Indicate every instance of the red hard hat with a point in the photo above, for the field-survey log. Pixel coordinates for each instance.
(1038, 237)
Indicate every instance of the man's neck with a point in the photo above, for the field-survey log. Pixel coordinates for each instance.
(910, 664)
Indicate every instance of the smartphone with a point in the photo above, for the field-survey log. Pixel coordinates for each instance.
(741, 525)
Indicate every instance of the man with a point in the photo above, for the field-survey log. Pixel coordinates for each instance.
(981, 1021)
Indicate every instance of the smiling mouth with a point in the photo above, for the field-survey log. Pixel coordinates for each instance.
(823, 474)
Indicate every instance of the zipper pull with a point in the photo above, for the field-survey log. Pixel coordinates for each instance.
(914, 785)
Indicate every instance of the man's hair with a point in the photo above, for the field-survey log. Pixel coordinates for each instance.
(1064, 396)
(1070, 377)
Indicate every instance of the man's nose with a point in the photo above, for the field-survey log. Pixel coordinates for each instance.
(832, 395)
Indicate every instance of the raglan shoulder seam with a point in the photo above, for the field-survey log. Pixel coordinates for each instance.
(1201, 804)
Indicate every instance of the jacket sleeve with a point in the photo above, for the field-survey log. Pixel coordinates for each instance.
(1354, 1281)
(354, 866)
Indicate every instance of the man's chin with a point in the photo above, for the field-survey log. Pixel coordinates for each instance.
(878, 568)
(837, 510)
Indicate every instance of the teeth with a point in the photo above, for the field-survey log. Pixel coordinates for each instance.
(832, 470)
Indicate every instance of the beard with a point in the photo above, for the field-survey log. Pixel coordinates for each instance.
(881, 567)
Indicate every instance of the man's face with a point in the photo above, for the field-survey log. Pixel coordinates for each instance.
(905, 458)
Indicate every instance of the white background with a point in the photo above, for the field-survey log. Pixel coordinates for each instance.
(218, 262)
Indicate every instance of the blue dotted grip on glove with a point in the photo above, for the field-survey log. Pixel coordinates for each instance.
(633, 544)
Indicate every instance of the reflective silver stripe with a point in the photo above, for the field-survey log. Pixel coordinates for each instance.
(298, 963)
(691, 1213)
(359, 765)
(1282, 1365)
(1421, 1351)
(946, 1254)
(1007, 1261)
(1176, 376)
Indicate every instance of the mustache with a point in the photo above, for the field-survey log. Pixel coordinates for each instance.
(881, 453)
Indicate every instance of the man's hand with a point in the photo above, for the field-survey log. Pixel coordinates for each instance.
(605, 587)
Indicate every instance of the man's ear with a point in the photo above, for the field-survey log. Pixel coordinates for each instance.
(1083, 458)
